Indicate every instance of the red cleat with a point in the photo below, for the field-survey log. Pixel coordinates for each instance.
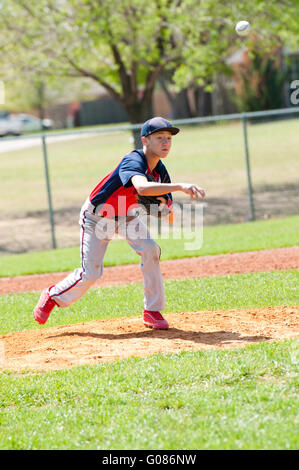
(154, 320)
(44, 307)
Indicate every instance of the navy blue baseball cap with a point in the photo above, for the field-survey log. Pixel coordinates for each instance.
(157, 124)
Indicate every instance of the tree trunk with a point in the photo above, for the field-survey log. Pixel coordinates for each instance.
(207, 104)
(197, 100)
(40, 98)
(203, 102)
(138, 114)
(169, 96)
(184, 108)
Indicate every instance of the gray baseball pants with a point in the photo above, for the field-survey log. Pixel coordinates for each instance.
(96, 233)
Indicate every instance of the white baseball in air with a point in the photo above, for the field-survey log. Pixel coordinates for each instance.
(242, 28)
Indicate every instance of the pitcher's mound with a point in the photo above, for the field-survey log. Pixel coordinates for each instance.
(109, 340)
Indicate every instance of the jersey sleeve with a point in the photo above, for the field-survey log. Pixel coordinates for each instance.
(131, 165)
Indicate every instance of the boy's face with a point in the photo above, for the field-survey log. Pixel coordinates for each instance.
(158, 143)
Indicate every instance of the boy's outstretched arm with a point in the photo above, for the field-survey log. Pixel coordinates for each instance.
(146, 188)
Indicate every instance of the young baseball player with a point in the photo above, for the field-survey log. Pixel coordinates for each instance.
(113, 201)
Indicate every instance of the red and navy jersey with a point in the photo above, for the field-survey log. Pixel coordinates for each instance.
(115, 194)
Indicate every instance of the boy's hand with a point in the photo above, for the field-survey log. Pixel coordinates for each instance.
(193, 190)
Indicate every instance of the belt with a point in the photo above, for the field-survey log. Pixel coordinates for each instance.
(93, 209)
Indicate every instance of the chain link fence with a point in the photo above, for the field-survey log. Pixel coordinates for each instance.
(247, 163)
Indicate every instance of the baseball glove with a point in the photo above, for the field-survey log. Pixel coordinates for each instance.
(152, 204)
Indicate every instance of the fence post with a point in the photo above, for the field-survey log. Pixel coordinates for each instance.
(249, 183)
(49, 191)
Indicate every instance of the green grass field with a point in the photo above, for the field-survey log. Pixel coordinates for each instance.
(210, 155)
(240, 399)
(276, 233)
(211, 293)
(244, 398)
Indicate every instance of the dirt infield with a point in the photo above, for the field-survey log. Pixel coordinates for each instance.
(46, 349)
(109, 340)
(214, 265)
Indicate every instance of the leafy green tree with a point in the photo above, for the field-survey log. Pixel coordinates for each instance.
(261, 84)
(124, 45)
(25, 92)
